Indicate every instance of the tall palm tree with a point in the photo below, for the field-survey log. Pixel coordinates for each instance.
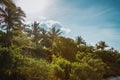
(35, 27)
(36, 31)
(4, 4)
(53, 34)
(43, 34)
(101, 45)
(80, 41)
(33, 31)
(11, 17)
(44, 39)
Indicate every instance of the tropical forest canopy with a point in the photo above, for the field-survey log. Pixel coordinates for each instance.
(30, 52)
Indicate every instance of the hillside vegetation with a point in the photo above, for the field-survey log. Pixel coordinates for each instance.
(38, 54)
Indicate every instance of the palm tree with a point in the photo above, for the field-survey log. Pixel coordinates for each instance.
(53, 34)
(11, 17)
(44, 39)
(33, 31)
(4, 4)
(7, 3)
(36, 31)
(111, 49)
(43, 34)
(80, 41)
(35, 27)
(101, 45)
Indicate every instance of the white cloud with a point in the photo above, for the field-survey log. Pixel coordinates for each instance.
(52, 23)
(66, 30)
(56, 24)
(34, 6)
(28, 22)
(42, 18)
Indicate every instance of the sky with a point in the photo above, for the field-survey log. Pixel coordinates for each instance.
(94, 20)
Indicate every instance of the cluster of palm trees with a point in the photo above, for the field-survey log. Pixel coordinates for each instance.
(12, 18)
(99, 45)
(40, 35)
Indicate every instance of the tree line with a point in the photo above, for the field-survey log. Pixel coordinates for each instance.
(30, 52)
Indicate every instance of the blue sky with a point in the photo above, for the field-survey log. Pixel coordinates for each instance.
(94, 20)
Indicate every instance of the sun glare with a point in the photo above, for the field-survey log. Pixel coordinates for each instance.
(34, 6)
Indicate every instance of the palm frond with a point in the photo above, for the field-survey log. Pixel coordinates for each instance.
(2, 11)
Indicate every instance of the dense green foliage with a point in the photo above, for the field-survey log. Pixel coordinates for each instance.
(38, 54)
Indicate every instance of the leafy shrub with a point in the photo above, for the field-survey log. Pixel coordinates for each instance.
(62, 68)
(14, 66)
(93, 68)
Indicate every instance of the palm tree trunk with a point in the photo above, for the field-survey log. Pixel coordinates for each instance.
(9, 36)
